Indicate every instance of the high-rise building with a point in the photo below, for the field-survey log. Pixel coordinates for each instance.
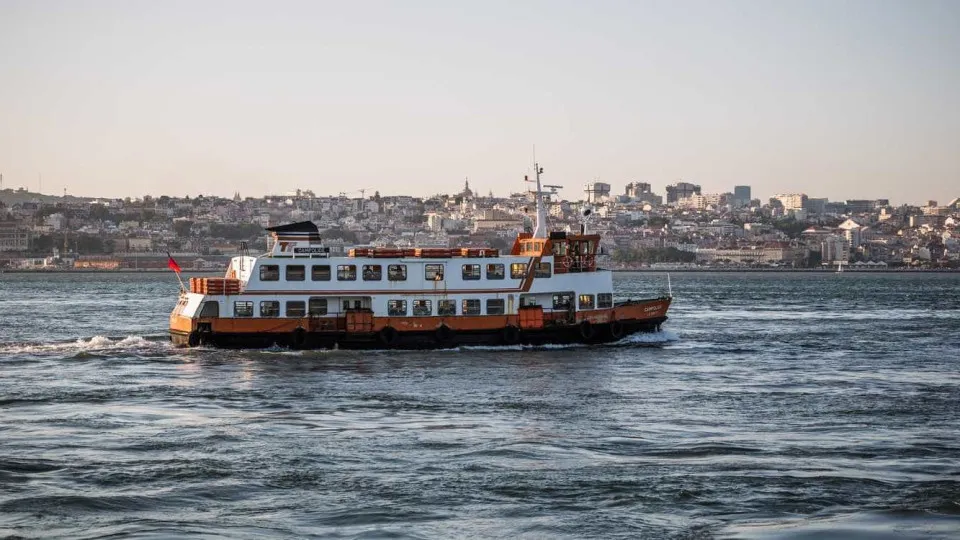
(741, 195)
(681, 190)
(636, 190)
(596, 191)
(793, 201)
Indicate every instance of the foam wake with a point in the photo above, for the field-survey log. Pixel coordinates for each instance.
(94, 345)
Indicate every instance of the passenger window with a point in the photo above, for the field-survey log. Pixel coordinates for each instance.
(397, 308)
(270, 308)
(495, 271)
(320, 272)
(347, 272)
(518, 270)
(495, 306)
(242, 309)
(296, 308)
(562, 301)
(372, 272)
(422, 308)
(542, 270)
(446, 308)
(471, 272)
(433, 272)
(586, 301)
(210, 309)
(605, 300)
(296, 272)
(269, 272)
(397, 272)
(470, 307)
(317, 307)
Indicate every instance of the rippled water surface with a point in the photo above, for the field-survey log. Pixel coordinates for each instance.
(774, 406)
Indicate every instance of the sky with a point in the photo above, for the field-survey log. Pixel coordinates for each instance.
(834, 98)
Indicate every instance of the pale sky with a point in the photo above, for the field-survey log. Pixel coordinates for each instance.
(833, 98)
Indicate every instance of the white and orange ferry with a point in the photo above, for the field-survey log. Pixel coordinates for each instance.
(548, 289)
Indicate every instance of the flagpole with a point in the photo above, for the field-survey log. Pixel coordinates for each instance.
(182, 287)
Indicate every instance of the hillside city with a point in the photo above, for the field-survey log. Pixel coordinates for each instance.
(681, 228)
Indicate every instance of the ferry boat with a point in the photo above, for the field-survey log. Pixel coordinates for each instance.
(546, 290)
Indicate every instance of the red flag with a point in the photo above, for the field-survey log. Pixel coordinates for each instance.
(172, 264)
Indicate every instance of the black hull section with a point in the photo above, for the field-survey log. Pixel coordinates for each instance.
(560, 335)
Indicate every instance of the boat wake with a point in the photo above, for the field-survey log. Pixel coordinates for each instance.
(95, 346)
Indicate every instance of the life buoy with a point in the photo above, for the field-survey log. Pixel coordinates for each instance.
(193, 339)
(511, 335)
(587, 331)
(299, 337)
(616, 329)
(388, 336)
(444, 334)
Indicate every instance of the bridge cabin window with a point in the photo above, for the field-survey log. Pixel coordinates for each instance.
(269, 272)
(562, 301)
(605, 300)
(518, 270)
(296, 308)
(270, 308)
(397, 308)
(210, 309)
(317, 307)
(372, 272)
(320, 272)
(433, 272)
(470, 307)
(446, 308)
(397, 272)
(542, 270)
(422, 308)
(471, 272)
(242, 309)
(586, 301)
(296, 272)
(495, 271)
(495, 306)
(346, 272)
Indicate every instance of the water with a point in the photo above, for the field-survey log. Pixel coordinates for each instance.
(776, 406)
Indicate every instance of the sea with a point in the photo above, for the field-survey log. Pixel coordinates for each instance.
(771, 406)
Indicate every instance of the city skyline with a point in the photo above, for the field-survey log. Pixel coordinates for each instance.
(851, 101)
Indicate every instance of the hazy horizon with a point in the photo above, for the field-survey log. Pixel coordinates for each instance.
(842, 100)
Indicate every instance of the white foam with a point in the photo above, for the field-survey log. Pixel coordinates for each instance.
(94, 344)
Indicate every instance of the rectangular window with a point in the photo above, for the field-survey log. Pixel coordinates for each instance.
(470, 307)
(320, 272)
(397, 272)
(433, 272)
(586, 301)
(495, 271)
(527, 300)
(269, 272)
(346, 272)
(296, 308)
(542, 270)
(243, 309)
(562, 301)
(605, 300)
(211, 308)
(372, 272)
(446, 308)
(495, 306)
(422, 308)
(296, 272)
(471, 272)
(317, 307)
(518, 270)
(397, 308)
(269, 308)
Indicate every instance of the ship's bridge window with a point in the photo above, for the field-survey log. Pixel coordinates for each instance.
(471, 272)
(495, 271)
(422, 308)
(562, 300)
(242, 309)
(397, 272)
(605, 300)
(470, 307)
(586, 301)
(269, 272)
(372, 272)
(397, 308)
(270, 308)
(317, 307)
(518, 270)
(210, 309)
(296, 272)
(495, 306)
(346, 272)
(320, 272)
(560, 248)
(542, 270)
(433, 272)
(446, 308)
(296, 308)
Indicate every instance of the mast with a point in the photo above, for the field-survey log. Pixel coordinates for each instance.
(540, 229)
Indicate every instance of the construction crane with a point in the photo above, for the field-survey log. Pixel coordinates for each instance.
(361, 191)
